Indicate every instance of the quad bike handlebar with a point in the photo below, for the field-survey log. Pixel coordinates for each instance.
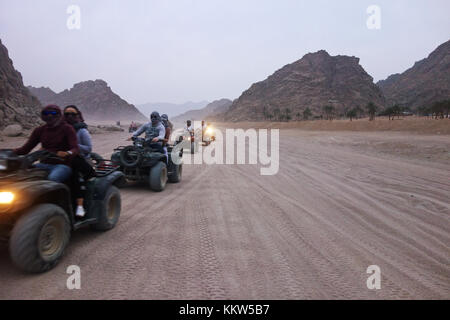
(39, 155)
(10, 161)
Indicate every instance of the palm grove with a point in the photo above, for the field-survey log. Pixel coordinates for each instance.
(438, 110)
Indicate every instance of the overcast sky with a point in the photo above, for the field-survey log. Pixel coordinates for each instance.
(192, 50)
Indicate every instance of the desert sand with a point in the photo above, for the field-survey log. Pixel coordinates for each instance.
(342, 201)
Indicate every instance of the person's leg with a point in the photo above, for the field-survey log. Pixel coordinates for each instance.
(84, 167)
(80, 190)
(59, 173)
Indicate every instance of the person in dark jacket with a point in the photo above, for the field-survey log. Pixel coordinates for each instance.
(83, 171)
(55, 136)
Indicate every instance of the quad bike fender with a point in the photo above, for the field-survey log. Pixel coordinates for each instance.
(102, 184)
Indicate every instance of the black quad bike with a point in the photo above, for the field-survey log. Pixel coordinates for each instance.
(37, 216)
(146, 162)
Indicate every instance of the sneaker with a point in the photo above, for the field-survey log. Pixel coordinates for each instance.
(80, 212)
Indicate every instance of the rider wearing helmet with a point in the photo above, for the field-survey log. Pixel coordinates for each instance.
(154, 131)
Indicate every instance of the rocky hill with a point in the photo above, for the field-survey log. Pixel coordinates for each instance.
(94, 98)
(171, 109)
(313, 82)
(208, 112)
(426, 82)
(17, 104)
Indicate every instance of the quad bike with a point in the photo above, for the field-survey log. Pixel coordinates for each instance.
(208, 136)
(37, 216)
(146, 162)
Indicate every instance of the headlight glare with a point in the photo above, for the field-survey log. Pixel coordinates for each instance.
(6, 197)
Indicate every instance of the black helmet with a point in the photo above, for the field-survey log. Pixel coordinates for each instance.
(155, 117)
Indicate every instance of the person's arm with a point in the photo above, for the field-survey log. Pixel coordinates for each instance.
(85, 143)
(30, 144)
(140, 131)
(162, 133)
(167, 135)
(72, 140)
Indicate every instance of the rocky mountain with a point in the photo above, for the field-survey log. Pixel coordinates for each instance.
(314, 81)
(208, 112)
(426, 82)
(17, 104)
(94, 98)
(171, 109)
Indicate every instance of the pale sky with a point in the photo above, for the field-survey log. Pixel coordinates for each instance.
(193, 50)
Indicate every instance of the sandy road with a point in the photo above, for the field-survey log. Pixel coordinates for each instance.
(309, 232)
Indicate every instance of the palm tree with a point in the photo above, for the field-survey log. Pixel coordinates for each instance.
(287, 114)
(372, 110)
(265, 113)
(277, 113)
(352, 114)
(307, 113)
(328, 110)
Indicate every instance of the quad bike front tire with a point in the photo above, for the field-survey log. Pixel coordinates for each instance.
(39, 238)
(109, 212)
(158, 177)
(177, 172)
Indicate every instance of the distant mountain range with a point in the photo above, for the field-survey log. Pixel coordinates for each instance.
(210, 111)
(426, 82)
(313, 82)
(94, 98)
(17, 104)
(171, 109)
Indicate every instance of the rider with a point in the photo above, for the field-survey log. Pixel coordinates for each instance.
(204, 127)
(154, 132)
(74, 117)
(189, 126)
(80, 164)
(55, 136)
(168, 126)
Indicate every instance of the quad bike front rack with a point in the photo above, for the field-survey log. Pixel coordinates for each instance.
(105, 167)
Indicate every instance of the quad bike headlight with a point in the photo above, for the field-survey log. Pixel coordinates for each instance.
(6, 197)
(3, 164)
